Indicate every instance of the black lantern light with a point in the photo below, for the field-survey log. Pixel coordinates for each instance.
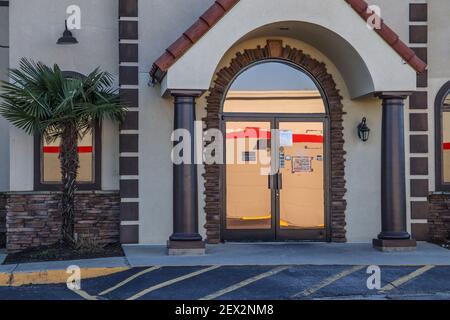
(67, 37)
(363, 130)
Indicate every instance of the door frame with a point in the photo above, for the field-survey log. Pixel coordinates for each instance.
(275, 233)
(213, 174)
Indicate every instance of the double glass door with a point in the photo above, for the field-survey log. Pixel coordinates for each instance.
(275, 179)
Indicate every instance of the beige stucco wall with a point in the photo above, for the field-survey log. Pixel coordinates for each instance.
(396, 14)
(330, 25)
(36, 29)
(157, 31)
(38, 26)
(4, 126)
(156, 119)
(363, 159)
(363, 212)
(439, 65)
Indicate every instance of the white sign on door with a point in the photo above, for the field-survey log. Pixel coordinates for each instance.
(286, 138)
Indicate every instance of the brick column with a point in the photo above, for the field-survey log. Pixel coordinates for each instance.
(129, 130)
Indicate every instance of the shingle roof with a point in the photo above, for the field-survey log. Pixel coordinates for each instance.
(221, 7)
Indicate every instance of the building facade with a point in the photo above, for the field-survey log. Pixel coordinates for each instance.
(290, 79)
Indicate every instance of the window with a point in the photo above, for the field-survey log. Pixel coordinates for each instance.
(443, 139)
(47, 172)
(50, 161)
(274, 87)
(47, 165)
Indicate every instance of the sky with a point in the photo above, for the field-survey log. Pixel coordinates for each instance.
(273, 76)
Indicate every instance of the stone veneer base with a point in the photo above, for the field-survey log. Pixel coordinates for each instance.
(439, 217)
(33, 218)
(2, 220)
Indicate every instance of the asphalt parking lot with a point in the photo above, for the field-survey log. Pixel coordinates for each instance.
(249, 283)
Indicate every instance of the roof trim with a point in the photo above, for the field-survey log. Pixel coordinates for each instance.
(203, 24)
(221, 7)
(388, 35)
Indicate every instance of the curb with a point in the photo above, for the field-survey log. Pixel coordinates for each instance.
(17, 279)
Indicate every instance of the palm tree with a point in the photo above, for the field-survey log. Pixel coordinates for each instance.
(42, 101)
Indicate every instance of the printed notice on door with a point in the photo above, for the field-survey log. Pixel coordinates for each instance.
(286, 138)
(301, 164)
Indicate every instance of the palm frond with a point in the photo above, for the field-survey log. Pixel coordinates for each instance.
(39, 99)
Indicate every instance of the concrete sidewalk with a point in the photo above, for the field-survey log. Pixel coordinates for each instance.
(289, 254)
(230, 254)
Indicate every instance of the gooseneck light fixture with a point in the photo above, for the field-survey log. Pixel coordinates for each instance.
(363, 130)
(67, 37)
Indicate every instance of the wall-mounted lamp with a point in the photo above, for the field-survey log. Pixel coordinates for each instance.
(67, 37)
(363, 130)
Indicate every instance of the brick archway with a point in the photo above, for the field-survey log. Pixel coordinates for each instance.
(217, 92)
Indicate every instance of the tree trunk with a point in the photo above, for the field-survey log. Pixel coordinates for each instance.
(68, 157)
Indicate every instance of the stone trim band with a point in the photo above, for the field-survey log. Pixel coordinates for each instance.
(33, 218)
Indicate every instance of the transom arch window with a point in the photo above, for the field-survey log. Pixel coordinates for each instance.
(274, 87)
(47, 172)
(442, 116)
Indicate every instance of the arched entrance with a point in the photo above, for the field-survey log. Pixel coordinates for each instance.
(275, 124)
(304, 197)
(368, 64)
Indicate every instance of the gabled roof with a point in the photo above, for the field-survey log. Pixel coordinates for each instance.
(221, 7)
(190, 37)
(388, 35)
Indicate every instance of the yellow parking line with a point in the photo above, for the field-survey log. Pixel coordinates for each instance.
(327, 282)
(243, 283)
(170, 282)
(124, 282)
(17, 279)
(400, 281)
